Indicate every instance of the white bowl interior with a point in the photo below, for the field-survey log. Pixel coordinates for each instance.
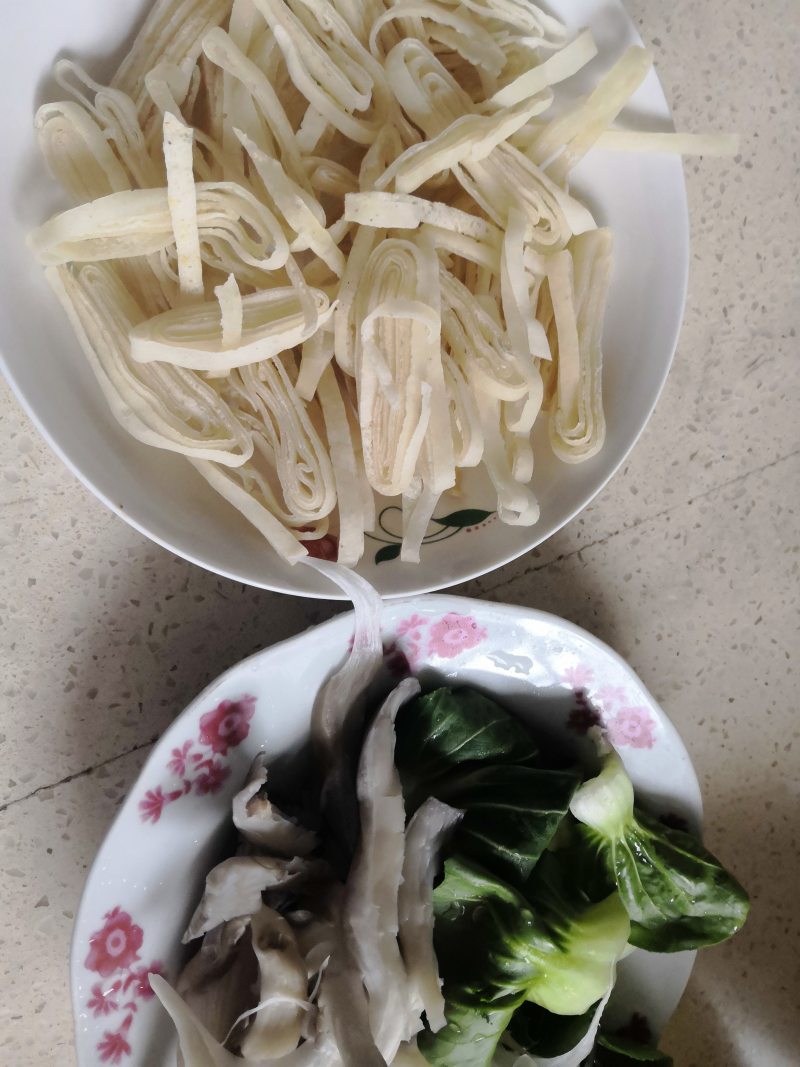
(530, 661)
(642, 198)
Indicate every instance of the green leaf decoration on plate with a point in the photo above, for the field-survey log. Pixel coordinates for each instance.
(383, 555)
(389, 529)
(465, 517)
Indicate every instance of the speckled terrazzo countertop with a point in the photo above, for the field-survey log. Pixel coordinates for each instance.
(687, 565)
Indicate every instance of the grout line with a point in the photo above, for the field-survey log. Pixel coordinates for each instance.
(78, 774)
(637, 523)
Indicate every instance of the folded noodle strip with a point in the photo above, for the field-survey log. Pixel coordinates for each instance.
(167, 407)
(327, 250)
(470, 138)
(173, 31)
(400, 211)
(272, 321)
(328, 65)
(566, 139)
(538, 28)
(578, 285)
(78, 153)
(284, 431)
(455, 29)
(115, 113)
(396, 356)
(233, 226)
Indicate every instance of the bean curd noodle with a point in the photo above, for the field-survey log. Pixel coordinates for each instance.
(326, 249)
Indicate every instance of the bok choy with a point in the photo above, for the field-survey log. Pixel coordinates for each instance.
(677, 894)
(481, 898)
(498, 948)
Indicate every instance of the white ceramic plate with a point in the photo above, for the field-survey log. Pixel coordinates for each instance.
(642, 198)
(149, 872)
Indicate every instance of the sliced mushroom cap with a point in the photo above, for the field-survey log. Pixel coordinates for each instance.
(371, 915)
(345, 1010)
(234, 887)
(264, 825)
(198, 1048)
(276, 1028)
(221, 980)
(427, 831)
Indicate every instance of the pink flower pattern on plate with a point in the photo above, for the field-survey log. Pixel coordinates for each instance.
(409, 634)
(579, 676)
(412, 626)
(212, 779)
(227, 725)
(113, 952)
(116, 946)
(454, 633)
(633, 727)
(609, 706)
(102, 1000)
(198, 766)
(114, 1046)
(446, 636)
(610, 694)
(179, 757)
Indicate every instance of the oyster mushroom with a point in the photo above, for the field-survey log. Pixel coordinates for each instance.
(276, 1027)
(220, 979)
(427, 831)
(371, 915)
(262, 824)
(234, 887)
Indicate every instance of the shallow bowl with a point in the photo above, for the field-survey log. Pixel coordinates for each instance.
(641, 197)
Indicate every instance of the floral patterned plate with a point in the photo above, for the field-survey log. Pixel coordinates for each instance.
(171, 829)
